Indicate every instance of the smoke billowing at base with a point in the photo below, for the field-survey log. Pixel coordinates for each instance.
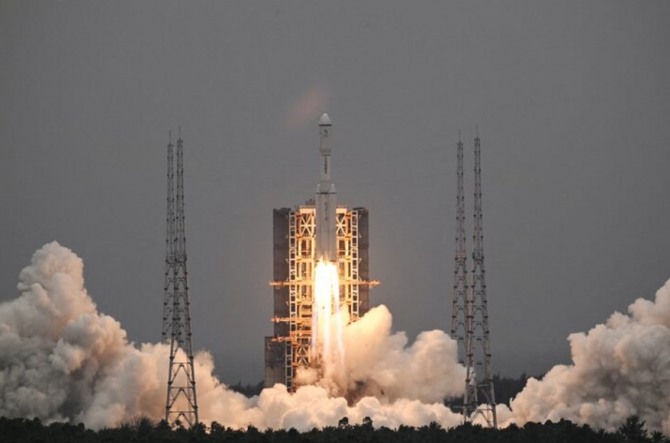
(62, 360)
(620, 368)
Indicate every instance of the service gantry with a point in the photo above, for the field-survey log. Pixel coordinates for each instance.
(181, 405)
(295, 233)
(469, 320)
(294, 264)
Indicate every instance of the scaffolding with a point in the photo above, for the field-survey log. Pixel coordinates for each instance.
(290, 348)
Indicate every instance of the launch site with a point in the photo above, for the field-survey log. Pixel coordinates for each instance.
(377, 221)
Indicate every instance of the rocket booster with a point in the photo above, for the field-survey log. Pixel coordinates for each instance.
(325, 198)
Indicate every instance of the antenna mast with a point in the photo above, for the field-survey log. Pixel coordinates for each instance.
(182, 405)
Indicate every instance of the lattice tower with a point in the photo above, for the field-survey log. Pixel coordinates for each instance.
(181, 405)
(168, 299)
(460, 289)
(479, 400)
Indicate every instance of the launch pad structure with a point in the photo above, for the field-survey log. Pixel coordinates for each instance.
(296, 234)
(320, 234)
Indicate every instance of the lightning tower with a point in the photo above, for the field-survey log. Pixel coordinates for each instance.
(182, 404)
(168, 299)
(460, 290)
(469, 310)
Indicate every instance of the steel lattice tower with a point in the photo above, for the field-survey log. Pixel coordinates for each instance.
(460, 289)
(469, 310)
(168, 299)
(182, 404)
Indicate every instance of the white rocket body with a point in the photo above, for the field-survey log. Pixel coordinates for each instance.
(326, 198)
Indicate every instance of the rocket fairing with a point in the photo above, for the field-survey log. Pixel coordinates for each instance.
(325, 198)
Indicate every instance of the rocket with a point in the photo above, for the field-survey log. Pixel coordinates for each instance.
(326, 197)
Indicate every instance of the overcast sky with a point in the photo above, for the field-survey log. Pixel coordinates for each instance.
(572, 101)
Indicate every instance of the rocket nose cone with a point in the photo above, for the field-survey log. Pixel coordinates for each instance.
(325, 120)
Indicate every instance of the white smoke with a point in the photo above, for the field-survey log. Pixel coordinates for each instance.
(62, 360)
(620, 368)
(379, 363)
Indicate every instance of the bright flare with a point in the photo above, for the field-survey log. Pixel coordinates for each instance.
(327, 321)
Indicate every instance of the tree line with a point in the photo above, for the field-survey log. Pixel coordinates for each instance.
(15, 430)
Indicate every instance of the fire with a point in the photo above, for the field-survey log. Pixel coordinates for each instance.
(327, 321)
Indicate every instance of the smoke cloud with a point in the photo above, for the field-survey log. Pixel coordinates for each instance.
(619, 368)
(62, 360)
(380, 363)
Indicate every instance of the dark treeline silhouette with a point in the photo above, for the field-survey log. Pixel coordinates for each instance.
(144, 430)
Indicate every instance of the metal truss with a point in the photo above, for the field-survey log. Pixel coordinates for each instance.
(181, 405)
(301, 267)
(469, 321)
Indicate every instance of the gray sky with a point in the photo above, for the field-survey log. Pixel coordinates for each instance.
(572, 100)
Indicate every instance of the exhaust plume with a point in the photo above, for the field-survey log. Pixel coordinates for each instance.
(620, 368)
(62, 360)
(327, 319)
(380, 363)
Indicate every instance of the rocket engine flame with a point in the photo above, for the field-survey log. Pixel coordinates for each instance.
(327, 321)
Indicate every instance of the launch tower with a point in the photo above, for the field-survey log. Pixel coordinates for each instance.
(182, 404)
(303, 235)
(469, 321)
